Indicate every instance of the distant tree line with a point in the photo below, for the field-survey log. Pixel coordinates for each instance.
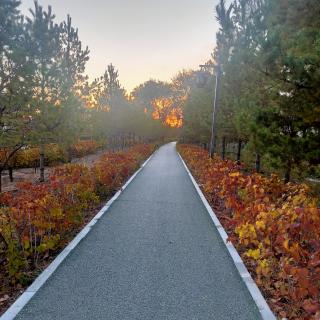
(269, 112)
(45, 96)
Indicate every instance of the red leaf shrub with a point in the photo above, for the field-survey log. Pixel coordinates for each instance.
(41, 218)
(275, 227)
(83, 148)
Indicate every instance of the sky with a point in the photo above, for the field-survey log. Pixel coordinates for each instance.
(144, 39)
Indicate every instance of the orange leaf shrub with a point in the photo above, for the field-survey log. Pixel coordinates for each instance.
(275, 226)
(41, 218)
(83, 148)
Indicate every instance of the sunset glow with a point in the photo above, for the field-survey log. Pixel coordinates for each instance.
(166, 111)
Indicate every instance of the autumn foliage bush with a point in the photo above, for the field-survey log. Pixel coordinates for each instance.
(41, 218)
(29, 157)
(275, 227)
(83, 148)
(54, 154)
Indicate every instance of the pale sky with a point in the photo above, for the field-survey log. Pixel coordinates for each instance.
(143, 38)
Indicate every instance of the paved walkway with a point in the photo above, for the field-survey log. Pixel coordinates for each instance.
(154, 255)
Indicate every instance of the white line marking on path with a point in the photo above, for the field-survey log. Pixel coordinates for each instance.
(17, 306)
(257, 296)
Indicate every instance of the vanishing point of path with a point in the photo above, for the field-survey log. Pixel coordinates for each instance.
(154, 255)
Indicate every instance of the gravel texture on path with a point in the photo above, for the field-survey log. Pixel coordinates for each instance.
(155, 254)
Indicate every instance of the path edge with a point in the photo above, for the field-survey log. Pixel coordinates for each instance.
(26, 296)
(255, 292)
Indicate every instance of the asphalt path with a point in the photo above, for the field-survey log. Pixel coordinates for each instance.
(155, 254)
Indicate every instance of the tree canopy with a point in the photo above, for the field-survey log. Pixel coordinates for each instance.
(269, 54)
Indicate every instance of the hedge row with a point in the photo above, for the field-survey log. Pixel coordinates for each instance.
(41, 218)
(275, 227)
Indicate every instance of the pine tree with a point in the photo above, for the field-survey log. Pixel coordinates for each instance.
(290, 57)
(15, 91)
(60, 62)
(270, 78)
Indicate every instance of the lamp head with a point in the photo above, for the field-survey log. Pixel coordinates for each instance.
(202, 78)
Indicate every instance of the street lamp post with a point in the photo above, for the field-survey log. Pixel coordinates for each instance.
(215, 108)
(201, 81)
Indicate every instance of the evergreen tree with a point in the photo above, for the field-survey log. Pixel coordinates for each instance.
(59, 62)
(15, 74)
(270, 78)
(290, 58)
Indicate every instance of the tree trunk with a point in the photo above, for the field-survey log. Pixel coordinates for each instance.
(223, 154)
(287, 174)
(11, 174)
(239, 151)
(41, 162)
(258, 162)
(1, 180)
